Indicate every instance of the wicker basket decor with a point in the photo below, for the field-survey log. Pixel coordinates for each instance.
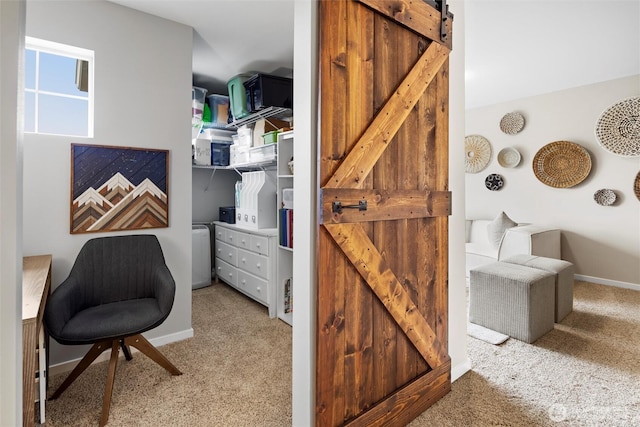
(477, 153)
(636, 186)
(561, 164)
(605, 197)
(512, 123)
(618, 128)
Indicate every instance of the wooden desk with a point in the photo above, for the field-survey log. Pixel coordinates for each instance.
(36, 285)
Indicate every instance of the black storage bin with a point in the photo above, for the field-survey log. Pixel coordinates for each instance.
(264, 90)
(228, 214)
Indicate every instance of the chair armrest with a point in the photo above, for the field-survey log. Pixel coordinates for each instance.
(164, 288)
(530, 240)
(64, 302)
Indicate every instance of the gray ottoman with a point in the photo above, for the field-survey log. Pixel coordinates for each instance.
(563, 271)
(512, 299)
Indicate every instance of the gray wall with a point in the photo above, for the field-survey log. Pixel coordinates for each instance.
(142, 99)
(602, 242)
(12, 17)
(211, 190)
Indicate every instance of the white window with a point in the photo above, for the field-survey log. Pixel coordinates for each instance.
(58, 89)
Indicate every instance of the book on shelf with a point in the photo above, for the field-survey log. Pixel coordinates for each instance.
(285, 218)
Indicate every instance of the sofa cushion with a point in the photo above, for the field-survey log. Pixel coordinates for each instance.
(481, 249)
(497, 227)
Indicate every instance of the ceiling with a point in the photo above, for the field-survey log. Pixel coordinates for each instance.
(513, 48)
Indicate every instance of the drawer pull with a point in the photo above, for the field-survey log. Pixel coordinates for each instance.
(230, 274)
(258, 245)
(258, 265)
(230, 254)
(244, 260)
(219, 250)
(258, 289)
(231, 238)
(219, 268)
(244, 241)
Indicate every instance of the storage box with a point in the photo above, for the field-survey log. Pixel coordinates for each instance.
(202, 154)
(219, 153)
(244, 138)
(263, 154)
(271, 137)
(287, 198)
(227, 214)
(198, 95)
(238, 155)
(264, 90)
(263, 126)
(219, 106)
(237, 96)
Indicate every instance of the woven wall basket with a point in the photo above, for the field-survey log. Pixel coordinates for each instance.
(561, 164)
(636, 186)
(512, 123)
(477, 153)
(618, 128)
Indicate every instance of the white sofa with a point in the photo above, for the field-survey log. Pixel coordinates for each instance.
(521, 239)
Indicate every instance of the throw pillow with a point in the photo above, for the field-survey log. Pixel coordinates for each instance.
(497, 227)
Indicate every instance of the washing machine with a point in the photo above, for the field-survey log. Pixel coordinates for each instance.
(200, 256)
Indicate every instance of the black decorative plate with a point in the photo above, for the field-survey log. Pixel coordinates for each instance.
(494, 182)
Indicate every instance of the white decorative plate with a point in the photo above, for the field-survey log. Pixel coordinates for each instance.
(477, 153)
(512, 123)
(605, 197)
(509, 157)
(618, 128)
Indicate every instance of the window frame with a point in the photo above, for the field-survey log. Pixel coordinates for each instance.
(54, 48)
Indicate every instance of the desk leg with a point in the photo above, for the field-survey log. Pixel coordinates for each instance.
(29, 340)
(42, 374)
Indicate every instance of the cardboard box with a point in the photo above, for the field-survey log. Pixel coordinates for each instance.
(263, 126)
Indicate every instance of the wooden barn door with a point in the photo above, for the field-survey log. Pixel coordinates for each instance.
(382, 355)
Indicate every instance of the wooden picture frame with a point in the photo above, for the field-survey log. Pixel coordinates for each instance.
(118, 188)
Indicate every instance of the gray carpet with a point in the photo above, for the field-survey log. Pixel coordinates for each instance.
(586, 372)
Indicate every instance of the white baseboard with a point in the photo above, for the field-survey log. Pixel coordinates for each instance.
(460, 369)
(61, 368)
(601, 281)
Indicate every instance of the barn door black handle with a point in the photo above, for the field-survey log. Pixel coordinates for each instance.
(336, 207)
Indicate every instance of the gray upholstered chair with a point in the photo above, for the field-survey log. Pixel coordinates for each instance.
(118, 288)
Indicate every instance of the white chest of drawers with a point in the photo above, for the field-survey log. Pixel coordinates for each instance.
(247, 260)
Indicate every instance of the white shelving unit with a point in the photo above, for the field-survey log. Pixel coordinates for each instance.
(284, 296)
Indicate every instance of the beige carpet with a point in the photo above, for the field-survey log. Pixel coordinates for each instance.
(236, 372)
(586, 372)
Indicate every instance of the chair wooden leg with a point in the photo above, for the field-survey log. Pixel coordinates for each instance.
(111, 376)
(141, 343)
(94, 352)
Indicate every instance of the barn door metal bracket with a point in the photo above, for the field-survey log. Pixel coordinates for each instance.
(444, 16)
(336, 207)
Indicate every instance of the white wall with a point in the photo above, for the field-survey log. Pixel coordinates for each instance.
(142, 99)
(457, 283)
(602, 242)
(305, 185)
(12, 17)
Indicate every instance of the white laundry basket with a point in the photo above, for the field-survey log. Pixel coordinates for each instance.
(201, 256)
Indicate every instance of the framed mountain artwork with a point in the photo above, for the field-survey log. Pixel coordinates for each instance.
(118, 188)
